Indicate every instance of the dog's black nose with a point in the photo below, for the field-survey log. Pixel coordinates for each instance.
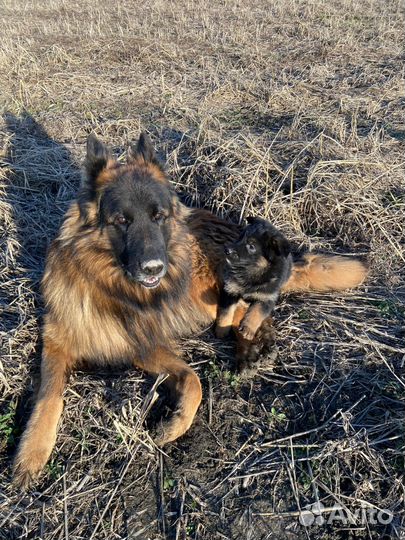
(152, 267)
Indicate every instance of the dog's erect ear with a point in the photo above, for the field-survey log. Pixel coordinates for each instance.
(252, 220)
(275, 242)
(96, 150)
(145, 148)
(97, 155)
(281, 245)
(142, 150)
(96, 158)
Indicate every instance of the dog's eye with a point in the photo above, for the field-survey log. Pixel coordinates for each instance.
(251, 248)
(159, 217)
(120, 220)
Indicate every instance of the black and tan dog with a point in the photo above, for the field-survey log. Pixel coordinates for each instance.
(257, 266)
(130, 272)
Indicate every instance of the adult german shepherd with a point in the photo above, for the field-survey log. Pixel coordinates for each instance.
(132, 270)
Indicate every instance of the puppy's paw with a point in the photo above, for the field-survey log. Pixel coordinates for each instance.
(256, 353)
(159, 435)
(247, 331)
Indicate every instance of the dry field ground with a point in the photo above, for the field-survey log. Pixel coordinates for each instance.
(292, 110)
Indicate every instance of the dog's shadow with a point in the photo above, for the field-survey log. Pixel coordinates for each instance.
(42, 178)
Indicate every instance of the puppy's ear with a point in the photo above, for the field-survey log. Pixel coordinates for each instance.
(253, 220)
(276, 243)
(142, 150)
(281, 245)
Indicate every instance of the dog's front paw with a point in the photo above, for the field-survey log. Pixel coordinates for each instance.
(247, 331)
(256, 353)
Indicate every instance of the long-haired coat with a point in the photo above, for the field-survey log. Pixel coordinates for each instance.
(131, 270)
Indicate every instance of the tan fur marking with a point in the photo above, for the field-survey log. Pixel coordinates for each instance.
(261, 264)
(108, 174)
(224, 320)
(252, 321)
(240, 312)
(233, 288)
(263, 296)
(154, 171)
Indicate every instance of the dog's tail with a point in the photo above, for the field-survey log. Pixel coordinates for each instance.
(325, 273)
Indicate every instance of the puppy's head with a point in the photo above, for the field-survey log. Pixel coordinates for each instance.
(258, 247)
(272, 241)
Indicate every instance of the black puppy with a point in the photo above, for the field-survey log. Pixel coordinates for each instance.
(257, 266)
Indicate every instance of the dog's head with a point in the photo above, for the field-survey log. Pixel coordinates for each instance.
(133, 204)
(259, 246)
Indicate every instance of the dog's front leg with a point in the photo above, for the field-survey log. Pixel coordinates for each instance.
(39, 436)
(254, 317)
(226, 311)
(249, 352)
(184, 383)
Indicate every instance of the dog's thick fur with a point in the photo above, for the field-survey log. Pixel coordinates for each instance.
(256, 267)
(99, 310)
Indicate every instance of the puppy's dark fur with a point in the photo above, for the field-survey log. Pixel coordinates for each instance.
(257, 265)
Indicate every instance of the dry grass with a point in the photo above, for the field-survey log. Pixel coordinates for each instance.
(289, 109)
